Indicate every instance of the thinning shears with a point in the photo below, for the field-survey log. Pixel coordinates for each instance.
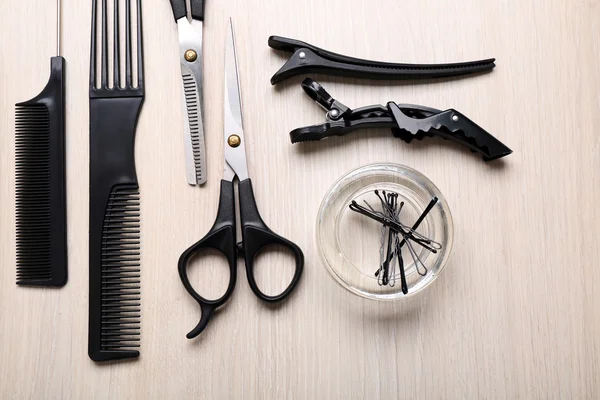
(190, 58)
(256, 236)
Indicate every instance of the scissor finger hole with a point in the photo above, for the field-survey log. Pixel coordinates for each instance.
(274, 269)
(208, 272)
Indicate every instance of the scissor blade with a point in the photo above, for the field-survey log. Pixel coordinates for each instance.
(232, 82)
(235, 149)
(190, 48)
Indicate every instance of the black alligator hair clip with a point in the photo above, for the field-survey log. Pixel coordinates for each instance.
(311, 59)
(408, 122)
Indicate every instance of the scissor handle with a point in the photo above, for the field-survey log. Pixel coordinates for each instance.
(256, 235)
(197, 9)
(180, 9)
(221, 237)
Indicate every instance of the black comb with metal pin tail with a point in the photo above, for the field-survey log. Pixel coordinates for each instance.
(40, 182)
(114, 231)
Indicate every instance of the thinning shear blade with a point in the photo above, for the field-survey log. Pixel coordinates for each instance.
(191, 61)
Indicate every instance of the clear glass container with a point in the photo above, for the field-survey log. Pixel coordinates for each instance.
(351, 244)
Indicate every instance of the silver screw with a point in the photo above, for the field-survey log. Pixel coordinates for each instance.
(455, 118)
(302, 55)
(335, 113)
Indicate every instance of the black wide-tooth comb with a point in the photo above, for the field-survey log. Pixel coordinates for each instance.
(114, 236)
(40, 182)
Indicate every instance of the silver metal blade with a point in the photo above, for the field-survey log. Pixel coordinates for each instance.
(235, 153)
(191, 57)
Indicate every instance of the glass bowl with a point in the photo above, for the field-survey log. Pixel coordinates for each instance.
(352, 245)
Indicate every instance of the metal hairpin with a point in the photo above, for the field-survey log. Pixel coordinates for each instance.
(392, 228)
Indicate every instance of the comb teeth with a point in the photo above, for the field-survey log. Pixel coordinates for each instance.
(41, 212)
(32, 145)
(133, 85)
(120, 326)
(192, 103)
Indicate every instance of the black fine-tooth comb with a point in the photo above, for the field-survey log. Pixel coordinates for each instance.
(40, 182)
(114, 235)
(311, 59)
(408, 122)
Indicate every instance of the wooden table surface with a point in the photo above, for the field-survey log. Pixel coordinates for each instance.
(516, 314)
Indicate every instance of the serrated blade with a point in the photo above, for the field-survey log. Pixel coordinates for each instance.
(190, 40)
(194, 145)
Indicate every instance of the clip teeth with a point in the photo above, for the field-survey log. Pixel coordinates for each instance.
(308, 134)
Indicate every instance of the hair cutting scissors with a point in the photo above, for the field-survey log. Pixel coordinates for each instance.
(191, 58)
(256, 236)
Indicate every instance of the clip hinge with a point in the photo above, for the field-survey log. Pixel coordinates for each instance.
(335, 109)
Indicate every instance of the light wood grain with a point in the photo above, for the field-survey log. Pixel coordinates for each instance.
(516, 314)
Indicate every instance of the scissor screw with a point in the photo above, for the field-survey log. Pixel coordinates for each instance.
(191, 56)
(302, 55)
(234, 141)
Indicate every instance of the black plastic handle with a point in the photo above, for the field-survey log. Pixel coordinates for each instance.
(197, 9)
(256, 236)
(318, 93)
(451, 125)
(221, 237)
(179, 9)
